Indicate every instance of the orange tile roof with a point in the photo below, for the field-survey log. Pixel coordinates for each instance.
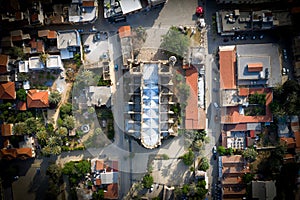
(7, 90)
(52, 35)
(255, 67)
(243, 91)
(112, 191)
(124, 31)
(115, 165)
(99, 165)
(297, 138)
(88, 3)
(232, 159)
(227, 67)
(22, 106)
(231, 115)
(289, 142)
(43, 33)
(192, 119)
(37, 99)
(98, 181)
(24, 153)
(7, 129)
(38, 45)
(18, 15)
(16, 38)
(3, 63)
(235, 127)
(8, 154)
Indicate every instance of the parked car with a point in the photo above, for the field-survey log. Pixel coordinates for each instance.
(97, 36)
(214, 152)
(216, 105)
(116, 67)
(261, 37)
(86, 46)
(253, 37)
(93, 29)
(86, 50)
(285, 71)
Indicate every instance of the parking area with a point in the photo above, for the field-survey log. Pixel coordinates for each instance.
(95, 44)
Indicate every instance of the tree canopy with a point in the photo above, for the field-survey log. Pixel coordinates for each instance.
(286, 99)
(250, 154)
(147, 181)
(21, 94)
(54, 98)
(188, 158)
(175, 42)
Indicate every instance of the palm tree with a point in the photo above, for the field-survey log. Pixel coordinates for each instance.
(44, 57)
(54, 98)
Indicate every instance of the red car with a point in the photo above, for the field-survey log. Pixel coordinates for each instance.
(199, 11)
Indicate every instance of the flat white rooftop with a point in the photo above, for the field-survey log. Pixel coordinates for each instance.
(129, 6)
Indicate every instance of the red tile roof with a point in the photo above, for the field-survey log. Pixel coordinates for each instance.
(297, 138)
(255, 67)
(192, 118)
(24, 153)
(16, 38)
(37, 99)
(231, 115)
(235, 127)
(98, 181)
(18, 15)
(112, 191)
(88, 3)
(243, 91)
(99, 165)
(124, 31)
(22, 106)
(7, 129)
(115, 165)
(21, 153)
(7, 90)
(3, 63)
(289, 142)
(43, 33)
(38, 45)
(52, 35)
(227, 67)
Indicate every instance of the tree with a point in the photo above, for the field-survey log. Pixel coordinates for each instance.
(54, 172)
(17, 52)
(247, 178)
(204, 165)
(99, 195)
(147, 181)
(175, 43)
(65, 109)
(62, 131)
(42, 137)
(69, 122)
(54, 98)
(44, 57)
(54, 141)
(188, 158)
(250, 154)
(23, 76)
(221, 150)
(91, 110)
(20, 128)
(21, 94)
(32, 125)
